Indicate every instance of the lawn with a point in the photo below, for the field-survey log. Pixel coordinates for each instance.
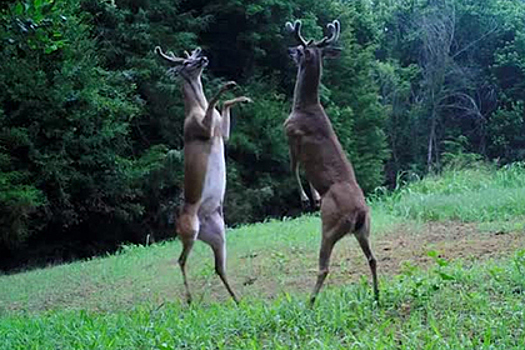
(451, 265)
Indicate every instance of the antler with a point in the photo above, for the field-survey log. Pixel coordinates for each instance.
(335, 31)
(169, 56)
(296, 30)
(195, 53)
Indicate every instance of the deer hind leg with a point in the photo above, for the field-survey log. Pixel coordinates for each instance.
(327, 246)
(363, 238)
(212, 232)
(187, 229)
(334, 226)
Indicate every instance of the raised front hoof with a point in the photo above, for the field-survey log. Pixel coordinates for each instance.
(244, 99)
(229, 85)
(317, 205)
(305, 204)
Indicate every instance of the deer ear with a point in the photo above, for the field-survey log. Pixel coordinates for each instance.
(332, 52)
(294, 54)
(173, 72)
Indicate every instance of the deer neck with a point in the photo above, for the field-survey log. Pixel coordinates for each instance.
(193, 94)
(306, 91)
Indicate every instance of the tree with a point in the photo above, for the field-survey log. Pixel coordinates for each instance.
(444, 50)
(63, 129)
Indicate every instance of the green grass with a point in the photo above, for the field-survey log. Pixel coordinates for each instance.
(132, 300)
(447, 307)
(477, 194)
(278, 253)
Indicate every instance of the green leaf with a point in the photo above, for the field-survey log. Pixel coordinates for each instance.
(51, 49)
(19, 9)
(446, 276)
(254, 9)
(435, 256)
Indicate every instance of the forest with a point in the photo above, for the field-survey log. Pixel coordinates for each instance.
(91, 124)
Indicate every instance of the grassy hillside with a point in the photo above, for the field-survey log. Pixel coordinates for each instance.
(451, 264)
(446, 307)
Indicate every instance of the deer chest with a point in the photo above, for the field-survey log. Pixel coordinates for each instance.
(215, 178)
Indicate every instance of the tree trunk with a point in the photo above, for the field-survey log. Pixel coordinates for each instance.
(431, 142)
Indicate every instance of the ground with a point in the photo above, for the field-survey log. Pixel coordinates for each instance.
(451, 263)
(403, 245)
(267, 268)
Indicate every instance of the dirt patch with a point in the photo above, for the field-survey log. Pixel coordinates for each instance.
(406, 244)
(262, 272)
(451, 240)
(265, 272)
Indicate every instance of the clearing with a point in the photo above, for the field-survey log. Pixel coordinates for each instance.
(451, 267)
(282, 258)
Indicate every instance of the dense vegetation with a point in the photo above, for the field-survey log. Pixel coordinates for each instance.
(470, 299)
(90, 125)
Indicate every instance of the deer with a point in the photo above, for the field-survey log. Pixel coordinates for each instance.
(314, 145)
(201, 215)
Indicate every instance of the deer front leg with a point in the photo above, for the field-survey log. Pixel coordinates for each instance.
(208, 117)
(294, 164)
(316, 197)
(225, 115)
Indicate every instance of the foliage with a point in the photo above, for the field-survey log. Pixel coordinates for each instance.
(64, 124)
(450, 68)
(91, 126)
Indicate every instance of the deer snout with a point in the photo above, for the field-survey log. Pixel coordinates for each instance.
(203, 60)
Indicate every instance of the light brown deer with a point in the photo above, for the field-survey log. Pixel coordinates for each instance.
(314, 144)
(205, 130)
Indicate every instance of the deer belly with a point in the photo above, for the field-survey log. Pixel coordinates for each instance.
(214, 181)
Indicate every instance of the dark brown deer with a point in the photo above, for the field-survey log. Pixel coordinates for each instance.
(205, 130)
(314, 144)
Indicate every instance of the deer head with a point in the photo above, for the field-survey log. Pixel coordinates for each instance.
(190, 67)
(310, 53)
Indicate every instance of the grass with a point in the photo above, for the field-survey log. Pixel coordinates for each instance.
(477, 194)
(150, 274)
(449, 306)
(132, 300)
